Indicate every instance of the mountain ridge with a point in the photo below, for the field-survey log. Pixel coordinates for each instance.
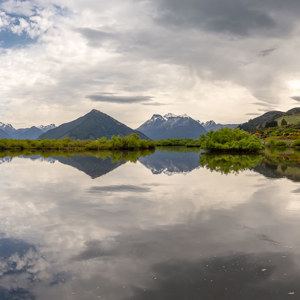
(160, 127)
(32, 132)
(95, 124)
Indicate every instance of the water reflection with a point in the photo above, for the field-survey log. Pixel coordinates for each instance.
(226, 163)
(130, 234)
(280, 165)
(171, 162)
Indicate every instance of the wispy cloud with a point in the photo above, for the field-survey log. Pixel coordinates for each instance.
(119, 99)
(252, 114)
(266, 52)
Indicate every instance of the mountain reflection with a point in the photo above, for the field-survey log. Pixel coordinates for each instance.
(171, 162)
(90, 165)
(167, 161)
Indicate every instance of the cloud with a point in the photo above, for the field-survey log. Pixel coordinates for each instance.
(119, 99)
(223, 16)
(154, 104)
(95, 36)
(252, 114)
(266, 52)
(296, 98)
(188, 55)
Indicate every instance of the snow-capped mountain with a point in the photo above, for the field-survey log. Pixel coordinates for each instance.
(8, 128)
(7, 131)
(171, 126)
(45, 128)
(212, 125)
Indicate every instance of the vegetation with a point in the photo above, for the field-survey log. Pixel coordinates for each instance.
(178, 142)
(277, 143)
(131, 142)
(296, 144)
(271, 124)
(283, 122)
(225, 163)
(230, 140)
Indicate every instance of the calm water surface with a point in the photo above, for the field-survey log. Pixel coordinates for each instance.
(170, 226)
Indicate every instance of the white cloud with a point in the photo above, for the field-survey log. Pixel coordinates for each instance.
(96, 47)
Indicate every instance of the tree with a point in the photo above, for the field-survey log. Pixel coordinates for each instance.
(283, 122)
(271, 124)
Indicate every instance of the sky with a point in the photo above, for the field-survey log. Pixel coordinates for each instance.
(226, 60)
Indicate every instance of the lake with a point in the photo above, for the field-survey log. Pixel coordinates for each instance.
(164, 225)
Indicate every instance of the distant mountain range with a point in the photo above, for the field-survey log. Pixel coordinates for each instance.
(178, 126)
(212, 125)
(96, 124)
(171, 126)
(7, 131)
(292, 116)
(93, 125)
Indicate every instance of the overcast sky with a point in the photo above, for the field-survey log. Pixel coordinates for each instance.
(226, 60)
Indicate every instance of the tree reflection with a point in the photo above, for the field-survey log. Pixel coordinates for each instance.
(226, 163)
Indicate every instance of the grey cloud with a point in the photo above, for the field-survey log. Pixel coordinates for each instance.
(118, 99)
(266, 52)
(253, 114)
(95, 37)
(154, 104)
(224, 16)
(119, 188)
(297, 98)
(262, 104)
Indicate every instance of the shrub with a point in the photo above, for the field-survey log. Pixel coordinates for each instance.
(230, 140)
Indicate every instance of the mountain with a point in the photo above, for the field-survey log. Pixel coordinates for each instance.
(93, 125)
(4, 135)
(47, 127)
(7, 128)
(292, 116)
(212, 125)
(32, 133)
(171, 126)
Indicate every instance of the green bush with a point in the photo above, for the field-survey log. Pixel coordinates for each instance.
(230, 140)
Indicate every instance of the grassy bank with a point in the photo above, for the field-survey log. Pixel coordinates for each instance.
(132, 142)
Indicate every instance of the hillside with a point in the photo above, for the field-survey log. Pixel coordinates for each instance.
(292, 116)
(4, 135)
(171, 126)
(93, 125)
